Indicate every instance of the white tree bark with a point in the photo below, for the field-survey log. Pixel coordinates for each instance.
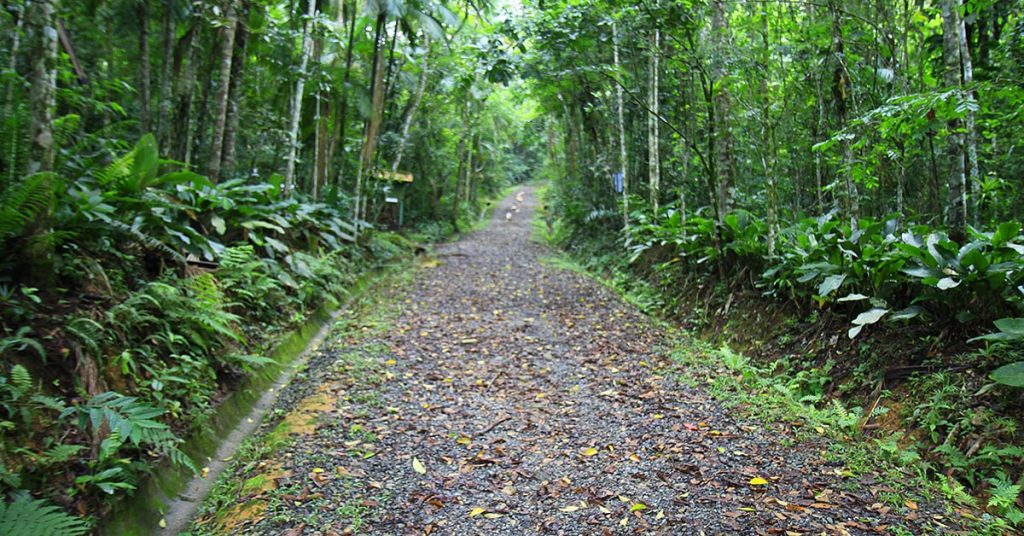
(973, 177)
(300, 84)
(623, 157)
(653, 158)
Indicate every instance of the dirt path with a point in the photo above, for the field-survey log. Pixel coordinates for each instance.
(518, 398)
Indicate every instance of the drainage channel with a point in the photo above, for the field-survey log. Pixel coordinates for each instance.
(168, 500)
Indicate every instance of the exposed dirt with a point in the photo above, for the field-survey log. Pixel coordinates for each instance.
(519, 398)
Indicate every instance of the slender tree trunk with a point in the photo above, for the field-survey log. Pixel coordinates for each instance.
(142, 14)
(623, 160)
(841, 87)
(166, 104)
(182, 126)
(376, 107)
(220, 105)
(43, 77)
(421, 87)
(653, 149)
(956, 207)
(722, 142)
(235, 91)
(343, 113)
(974, 178)
(461, 152)
(300, 84)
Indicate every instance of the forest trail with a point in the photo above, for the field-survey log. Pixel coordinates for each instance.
(520, 398)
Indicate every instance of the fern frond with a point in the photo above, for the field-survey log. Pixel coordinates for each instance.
(29, 517)
(24, 203)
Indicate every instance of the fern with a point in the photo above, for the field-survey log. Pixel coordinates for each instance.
(20, 378)
(24, 203)
(127, 417)
(28, 517)
(20, 341)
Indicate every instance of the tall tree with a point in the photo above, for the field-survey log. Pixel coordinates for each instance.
(235, 90)
(653, 119)
(300, 85)
(623, 160)
(220, 105)
(956, 178)
(43, 76)
(142, 16)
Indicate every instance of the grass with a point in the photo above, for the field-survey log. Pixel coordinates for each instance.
(360, 364)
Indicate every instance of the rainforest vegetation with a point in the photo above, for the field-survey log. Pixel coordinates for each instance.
(183, 181)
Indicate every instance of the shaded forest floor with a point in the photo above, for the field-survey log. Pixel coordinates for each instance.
(489, 392)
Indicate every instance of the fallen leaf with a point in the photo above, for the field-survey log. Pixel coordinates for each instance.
(417, 466)
(476, 511)
(568, 509)
(758, 481)
(590, 452)
(637, 507)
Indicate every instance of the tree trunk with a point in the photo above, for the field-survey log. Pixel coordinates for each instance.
(165, 105)
(343, 113)
(220, 105)
(411, 112)
(227, 164)
(376, 107)
(956, 206)
(144, 84)
(653, 149)
(841, 87)
(623, 160)
(43, 78)
(182, 126)
(722, 142)
(300, 84)
(974, 172)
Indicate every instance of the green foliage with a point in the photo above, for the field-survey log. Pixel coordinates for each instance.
(29, 517)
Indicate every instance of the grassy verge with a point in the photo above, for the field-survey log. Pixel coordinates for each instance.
(320, 426)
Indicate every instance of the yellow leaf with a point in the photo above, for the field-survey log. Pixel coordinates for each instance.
(637, 507)
(163, 523)
(658, 416)
(492, 515)
(910, 504)
(417, 466)
(317, 470)
(463, 440)
(634, 457)
(758, 481)
(476, 511)
(570, 508)
(661, 515)
(590, 452)
(624, 522)
(747, 509)
(391, 362)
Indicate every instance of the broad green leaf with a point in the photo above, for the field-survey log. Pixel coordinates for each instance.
(1011, 326)
(830, 284)
(1012, 374)
(870, 316)
(1004, 233)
